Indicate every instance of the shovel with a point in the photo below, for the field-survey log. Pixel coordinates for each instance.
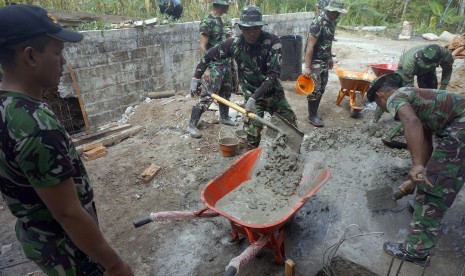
(279, 124)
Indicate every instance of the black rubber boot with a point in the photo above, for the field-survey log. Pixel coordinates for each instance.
(195, 117)
(313, 117)
(397, 250)
(224, 115)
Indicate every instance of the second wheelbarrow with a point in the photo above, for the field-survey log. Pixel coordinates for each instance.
(259, 235)
(354, 85)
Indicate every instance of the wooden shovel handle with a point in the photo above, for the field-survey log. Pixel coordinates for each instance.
(233, 106)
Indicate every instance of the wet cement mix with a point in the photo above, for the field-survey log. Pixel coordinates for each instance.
(272, 192)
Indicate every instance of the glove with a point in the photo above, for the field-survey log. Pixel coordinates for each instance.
(194, 89)
(250, 105)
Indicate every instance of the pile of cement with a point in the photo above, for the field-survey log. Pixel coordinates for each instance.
(271, 193)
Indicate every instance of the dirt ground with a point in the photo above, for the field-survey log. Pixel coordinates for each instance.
(334, 222)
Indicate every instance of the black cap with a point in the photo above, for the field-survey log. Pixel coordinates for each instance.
(382, 81)
(22, 22)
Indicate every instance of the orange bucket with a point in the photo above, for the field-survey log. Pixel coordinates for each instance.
(304, 86)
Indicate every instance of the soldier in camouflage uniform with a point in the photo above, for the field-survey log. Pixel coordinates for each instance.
(421, 61)
(438, 173)
(258, 57)
(42, 179)
(218, 75)
(318, 55)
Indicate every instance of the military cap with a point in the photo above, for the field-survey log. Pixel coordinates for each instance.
(430, 53)
(336, 6)
(221, 2)
(22, 22)
(382, 81)
(251, 16)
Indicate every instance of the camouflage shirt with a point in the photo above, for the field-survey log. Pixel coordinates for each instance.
(323, 29)
(259, 65)
(435, 108)
(213, 28)
(412, 64)
(36, 152)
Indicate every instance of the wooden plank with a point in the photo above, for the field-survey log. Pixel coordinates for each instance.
(148, 174)
(95, 156)
(114, 138)
(289, 268)
(161, 94)
(99, 134)
(95, 151)
(78, 92)
(91, 146)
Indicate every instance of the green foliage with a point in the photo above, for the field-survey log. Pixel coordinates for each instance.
(95, 25)
(436, 7)
(426, 15)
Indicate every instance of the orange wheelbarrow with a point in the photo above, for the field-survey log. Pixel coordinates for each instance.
(354, 85)
(269, 235)
(383, 68)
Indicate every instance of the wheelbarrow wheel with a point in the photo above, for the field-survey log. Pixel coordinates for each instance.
(354, 113)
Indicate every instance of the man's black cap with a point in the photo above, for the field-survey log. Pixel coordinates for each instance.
(382, 81)
(22, 22)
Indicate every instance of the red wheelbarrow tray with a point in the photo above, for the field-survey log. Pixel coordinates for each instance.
(383, 68)
(241, 171)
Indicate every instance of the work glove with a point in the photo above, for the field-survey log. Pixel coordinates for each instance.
(250, 105)
(194, 89)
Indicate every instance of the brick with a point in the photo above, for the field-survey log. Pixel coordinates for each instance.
(148, 174)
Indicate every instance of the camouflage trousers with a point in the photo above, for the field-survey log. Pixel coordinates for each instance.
(446, 172)
(55, 253)
(221, 83)
(273, 104)
(320, 77)
(428, 80)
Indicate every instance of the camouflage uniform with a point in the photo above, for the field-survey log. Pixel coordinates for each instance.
(220, 71)
(443, 113)
(421, 61)
(259, 66)
(30, 132)
(323, 29)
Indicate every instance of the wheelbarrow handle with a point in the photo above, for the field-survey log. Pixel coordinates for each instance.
(231, 271)
(141, 222)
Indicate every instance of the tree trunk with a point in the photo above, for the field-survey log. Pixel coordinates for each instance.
(404, 10)
(461, 13)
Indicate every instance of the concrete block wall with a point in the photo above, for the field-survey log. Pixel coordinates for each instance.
(116, 69)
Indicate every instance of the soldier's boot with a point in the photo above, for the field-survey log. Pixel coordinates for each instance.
(397, 250)
(224, 115)
(195, 117)
(313, 117)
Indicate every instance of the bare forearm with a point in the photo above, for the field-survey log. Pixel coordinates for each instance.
(416, 140)
(86, 235)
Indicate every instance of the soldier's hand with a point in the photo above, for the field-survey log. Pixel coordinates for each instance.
(417, 174)
(250, 105)
(194, 88)
(330, 63)
(308, 73)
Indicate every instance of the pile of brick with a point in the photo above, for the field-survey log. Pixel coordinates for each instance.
(457, 46)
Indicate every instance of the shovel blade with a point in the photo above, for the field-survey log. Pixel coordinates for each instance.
(294, 136)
